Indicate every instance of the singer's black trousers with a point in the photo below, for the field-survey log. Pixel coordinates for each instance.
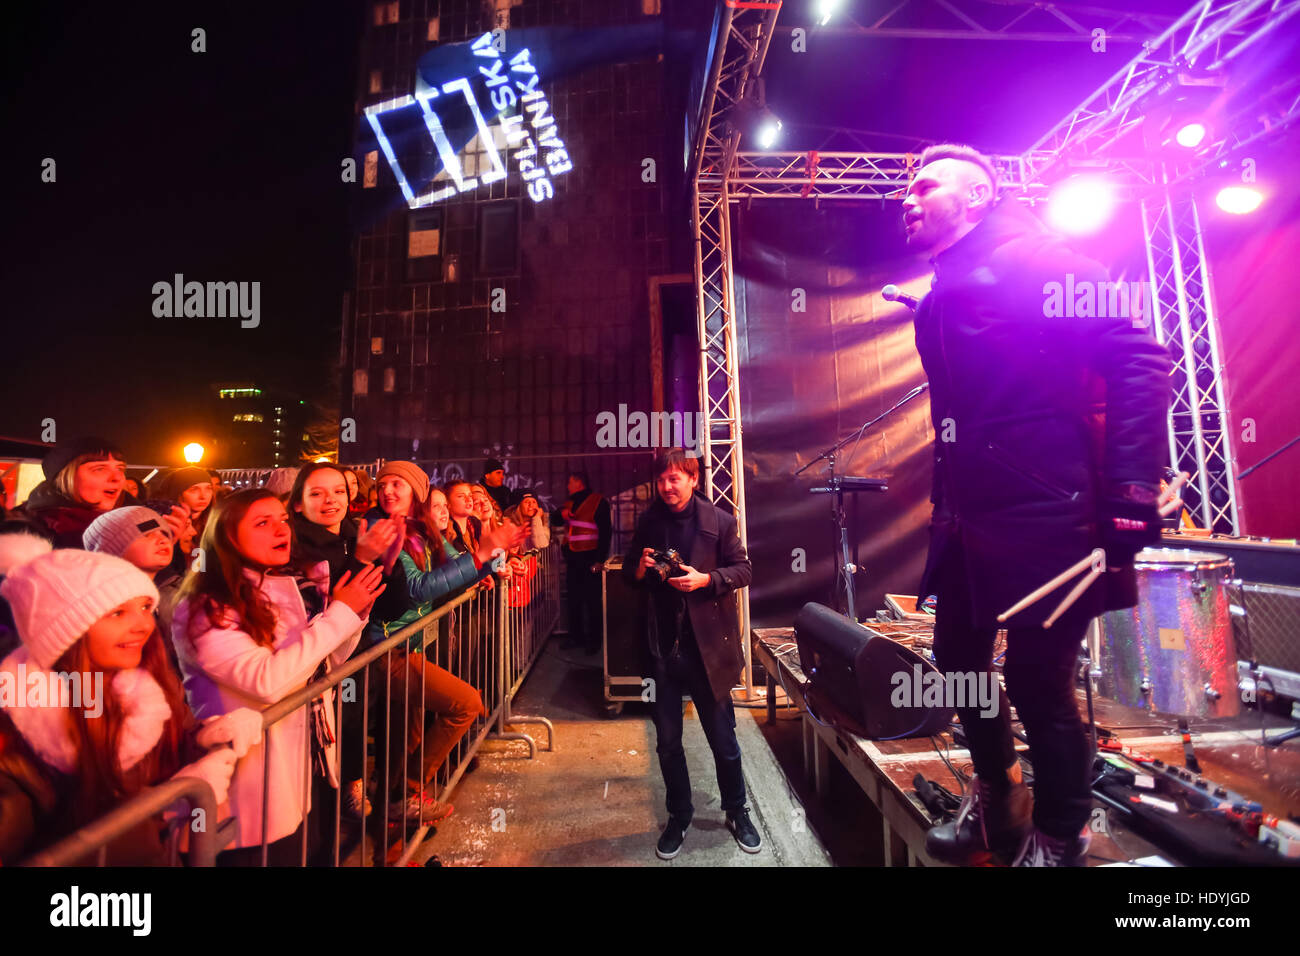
(1040, 670)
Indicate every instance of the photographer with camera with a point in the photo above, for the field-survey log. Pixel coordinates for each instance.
(687, 557)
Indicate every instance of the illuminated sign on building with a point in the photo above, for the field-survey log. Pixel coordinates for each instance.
(523, 126)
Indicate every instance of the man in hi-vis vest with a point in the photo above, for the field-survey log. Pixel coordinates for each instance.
(587, 535)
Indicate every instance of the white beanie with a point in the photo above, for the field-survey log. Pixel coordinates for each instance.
(56, 597)
(115, 531)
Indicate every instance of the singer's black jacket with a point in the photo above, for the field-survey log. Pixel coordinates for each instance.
(1037, 419)
(716, 550)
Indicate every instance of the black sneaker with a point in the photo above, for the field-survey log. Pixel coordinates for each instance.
(743, 829)
(670, 841)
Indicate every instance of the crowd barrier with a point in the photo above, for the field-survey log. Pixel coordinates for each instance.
(488, 638)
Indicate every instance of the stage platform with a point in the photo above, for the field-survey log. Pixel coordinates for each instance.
(1229, 751)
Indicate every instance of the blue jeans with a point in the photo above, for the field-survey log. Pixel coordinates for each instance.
(683, 673)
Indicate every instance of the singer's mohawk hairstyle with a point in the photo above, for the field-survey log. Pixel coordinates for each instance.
(967, 154)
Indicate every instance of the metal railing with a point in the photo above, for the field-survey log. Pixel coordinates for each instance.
(487, 637)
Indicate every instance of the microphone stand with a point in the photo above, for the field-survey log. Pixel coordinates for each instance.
(845, 569)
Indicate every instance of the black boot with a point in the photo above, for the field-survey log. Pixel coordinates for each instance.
(990, 821)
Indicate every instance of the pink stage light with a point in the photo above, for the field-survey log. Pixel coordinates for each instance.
(1239, 200)
(1081, 205)
(1190, 135)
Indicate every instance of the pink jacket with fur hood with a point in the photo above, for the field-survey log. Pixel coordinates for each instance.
(225, 669)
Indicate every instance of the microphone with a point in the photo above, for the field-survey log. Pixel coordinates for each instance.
(893, 293)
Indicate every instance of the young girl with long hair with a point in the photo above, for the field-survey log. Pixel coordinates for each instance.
(65, 763)
(249, 632)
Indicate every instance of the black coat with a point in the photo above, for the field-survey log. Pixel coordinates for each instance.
(717, 551)
(1036, 418)
(313, 543)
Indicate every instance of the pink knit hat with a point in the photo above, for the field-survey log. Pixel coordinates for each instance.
(56, 597)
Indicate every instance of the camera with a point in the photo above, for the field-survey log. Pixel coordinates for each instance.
(668, 564)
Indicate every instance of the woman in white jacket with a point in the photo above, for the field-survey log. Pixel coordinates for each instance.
(249, 632)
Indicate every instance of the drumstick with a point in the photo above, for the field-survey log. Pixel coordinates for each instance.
(1170, 507)
(1073, 596)
(1092, 560)
(1171, 489)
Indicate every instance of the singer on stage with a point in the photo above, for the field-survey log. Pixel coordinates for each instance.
(1049, 442)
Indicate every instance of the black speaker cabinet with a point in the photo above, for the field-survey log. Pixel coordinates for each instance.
(852, 672)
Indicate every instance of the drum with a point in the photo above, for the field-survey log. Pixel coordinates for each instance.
(1173, 653)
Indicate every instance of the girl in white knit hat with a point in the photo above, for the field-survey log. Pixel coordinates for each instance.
(91, 712)
(249, 632)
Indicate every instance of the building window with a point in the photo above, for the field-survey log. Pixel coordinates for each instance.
(432, 36)
(249, 417)
(376, 81)
(360, 381)
(377, 345)
(370, 178)
(390, 380)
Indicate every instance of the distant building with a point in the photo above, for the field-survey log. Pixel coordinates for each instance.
(257, 427)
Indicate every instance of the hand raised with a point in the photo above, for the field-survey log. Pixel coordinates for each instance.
(374, 541)
(360, 592)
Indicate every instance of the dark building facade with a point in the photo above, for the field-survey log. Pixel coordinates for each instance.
(490, 323)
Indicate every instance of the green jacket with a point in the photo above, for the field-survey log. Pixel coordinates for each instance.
(413, 591)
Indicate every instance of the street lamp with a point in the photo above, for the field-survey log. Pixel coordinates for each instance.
(193, 452)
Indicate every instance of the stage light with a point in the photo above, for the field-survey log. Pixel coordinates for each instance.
(827, 9)
(1238, 200)
(323, 459)
(1081, 205)
(769, 130)
(1190, 135)
(193, 452)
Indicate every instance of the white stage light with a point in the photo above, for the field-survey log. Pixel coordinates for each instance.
(827, 9)
(1081, 205)
(1238, 200)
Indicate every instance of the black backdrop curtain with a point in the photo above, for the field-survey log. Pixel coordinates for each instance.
(809, 378)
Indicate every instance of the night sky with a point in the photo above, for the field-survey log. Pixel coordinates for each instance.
(223, 166)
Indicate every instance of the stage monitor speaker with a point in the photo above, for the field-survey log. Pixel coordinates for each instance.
(851, 668)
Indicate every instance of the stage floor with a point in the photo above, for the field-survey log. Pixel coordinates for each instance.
(1229, 751)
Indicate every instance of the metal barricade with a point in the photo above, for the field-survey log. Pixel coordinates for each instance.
(204, 839)
(532, 611)
(478, 638)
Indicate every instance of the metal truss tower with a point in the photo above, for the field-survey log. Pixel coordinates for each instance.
(1186, 324)
(746, 32)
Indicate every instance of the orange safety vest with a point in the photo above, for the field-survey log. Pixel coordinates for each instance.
(583, 534)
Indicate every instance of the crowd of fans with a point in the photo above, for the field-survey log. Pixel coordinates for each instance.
(202, 605)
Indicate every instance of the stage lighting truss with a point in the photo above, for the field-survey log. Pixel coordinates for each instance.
(744, 35)
(1185, 322)
(846, 175)
(1208, 37)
